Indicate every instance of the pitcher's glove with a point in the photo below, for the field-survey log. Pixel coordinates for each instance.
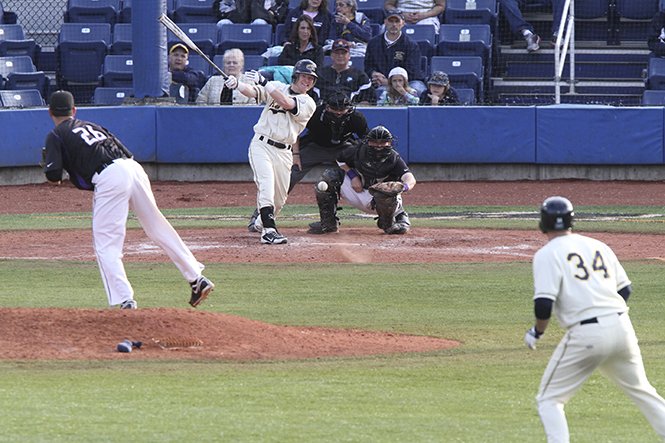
(387, 188)
(43, 162)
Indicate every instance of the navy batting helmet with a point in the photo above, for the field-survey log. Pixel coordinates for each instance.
(304, 66)
(556, 214)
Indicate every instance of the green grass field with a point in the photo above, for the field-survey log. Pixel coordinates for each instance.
(482, 391)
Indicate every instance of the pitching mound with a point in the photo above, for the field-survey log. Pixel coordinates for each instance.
(92, 334)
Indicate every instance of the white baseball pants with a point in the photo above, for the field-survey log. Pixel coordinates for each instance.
(122, 186)
(272, 175)
(609, 345)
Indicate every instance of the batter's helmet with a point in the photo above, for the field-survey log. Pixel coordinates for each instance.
(556, 214)
(304, 66)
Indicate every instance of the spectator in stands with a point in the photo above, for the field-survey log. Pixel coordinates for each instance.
(185, 81)
(341, 76)
(303, 44)
(656, 34)
(318, 11)
(398, 91)
(393, 49)
(511, 11)
(215, 91)
(257, 12)
(419, 12)
(351, 25)
(439, 92)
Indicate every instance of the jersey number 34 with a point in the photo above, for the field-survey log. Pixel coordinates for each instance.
(597, 265)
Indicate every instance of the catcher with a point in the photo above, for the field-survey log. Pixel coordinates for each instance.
(371, 176)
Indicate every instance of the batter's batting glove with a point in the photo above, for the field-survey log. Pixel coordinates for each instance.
(256, 77)
(231, 82)
(532, 336)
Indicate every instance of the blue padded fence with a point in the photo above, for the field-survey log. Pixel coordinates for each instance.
(563, 135)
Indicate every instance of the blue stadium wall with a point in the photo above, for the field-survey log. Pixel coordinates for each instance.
(544, 135)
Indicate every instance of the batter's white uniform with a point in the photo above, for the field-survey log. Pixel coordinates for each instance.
(270, 152)
(582, 276)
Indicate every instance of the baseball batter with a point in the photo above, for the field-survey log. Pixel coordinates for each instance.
(97, 161)
(583, 282)
(288, 109)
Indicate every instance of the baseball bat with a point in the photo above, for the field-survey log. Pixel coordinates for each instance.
(188, 41)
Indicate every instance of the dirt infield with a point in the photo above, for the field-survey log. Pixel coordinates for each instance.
(93, 334)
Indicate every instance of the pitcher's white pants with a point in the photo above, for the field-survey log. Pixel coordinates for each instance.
(122, 186)
(362, 201)
(272, 175)
(609, 345)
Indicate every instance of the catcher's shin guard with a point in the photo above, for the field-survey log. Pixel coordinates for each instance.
(327, 201)
(385, 208)
(401, 226)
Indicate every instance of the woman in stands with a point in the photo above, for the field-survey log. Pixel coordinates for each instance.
(318, 11)
(216, 93)
(302, 45)
(256, 12)
(351, 25)
(398, 92)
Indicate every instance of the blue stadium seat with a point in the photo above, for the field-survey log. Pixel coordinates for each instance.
(92, 11)
(80, 52)
(466, 96)
(125, 15)
(637, 9)
(21, 98)
(251, 39)
(118, 72)
(358, 62)
(18, 72)
(477, 12)
(203, 34)
(194, 11)
(197, 62)
(466, 40)
(13, 42)
(591, 9)
(376, 28)
(122, 39)
(651, 97)
(279, 33)
(656, 74)
(252, 62)
(463, 72)
(111, 96)
(373, 9)
(424, 35)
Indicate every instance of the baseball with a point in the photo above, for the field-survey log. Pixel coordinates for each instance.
(322, 186)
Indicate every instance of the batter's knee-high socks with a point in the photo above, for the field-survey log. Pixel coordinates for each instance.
(268, 217)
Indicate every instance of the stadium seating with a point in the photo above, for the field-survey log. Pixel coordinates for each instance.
(656, 74)
(251, 39)
(13, 42)
(21, 98)
(373, 9)
(637, 9)
(651, 97)
(111, 96)
(466, 96)
(466, 40)
(203, 34)
(463, 72)
(424, 35)
(92, 11)
(122, 39)
(358, 62)
(279, 34)
(7, 17)
(118, 72)
(194, 11)
(197, 62)
(125, 15)
(252, 62)
(18, 72)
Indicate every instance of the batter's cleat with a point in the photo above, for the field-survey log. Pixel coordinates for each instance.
(201, 288)
(270, 236)
(251, 226)
(128, 304)
(532, 42)
(318, 228)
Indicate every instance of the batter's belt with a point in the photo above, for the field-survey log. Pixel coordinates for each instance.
(278, 145)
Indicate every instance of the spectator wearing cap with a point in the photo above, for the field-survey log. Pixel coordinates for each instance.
(215, 91)
(342, 76)
(393, 49)
(398, 92)
(185, 81)
(439, 92)
(351, 25)
(419, 12)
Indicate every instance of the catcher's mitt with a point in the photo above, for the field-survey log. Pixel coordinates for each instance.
(388, 188)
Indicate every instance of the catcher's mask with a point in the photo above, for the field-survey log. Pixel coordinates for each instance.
(556, 214)
(380, 143)
(338, 111)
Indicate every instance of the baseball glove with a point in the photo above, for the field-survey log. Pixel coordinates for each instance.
(388, 188)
